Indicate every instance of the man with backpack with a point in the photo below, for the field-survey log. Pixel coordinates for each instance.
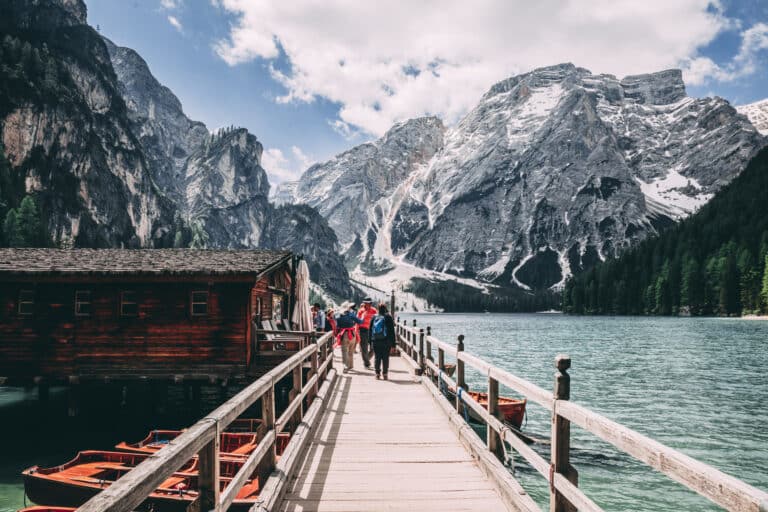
(383, 339)
(366, 314)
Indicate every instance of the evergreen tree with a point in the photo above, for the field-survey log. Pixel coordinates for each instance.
(764, 290)
(11, 229)
(29, 223)
(199, 236)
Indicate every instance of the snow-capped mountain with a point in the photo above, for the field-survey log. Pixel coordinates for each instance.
(757, 113)
(551, 171)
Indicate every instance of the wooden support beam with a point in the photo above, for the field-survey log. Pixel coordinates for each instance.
(561, 439)
(208, 475)
(492, 437)
(421, 351)
(460, 382)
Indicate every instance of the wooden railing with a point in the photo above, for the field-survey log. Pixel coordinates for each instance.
(202, 439)
(417, 345)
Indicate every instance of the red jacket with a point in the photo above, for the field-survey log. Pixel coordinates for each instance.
(366, 315)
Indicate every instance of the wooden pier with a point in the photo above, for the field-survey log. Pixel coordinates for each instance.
(362, 444)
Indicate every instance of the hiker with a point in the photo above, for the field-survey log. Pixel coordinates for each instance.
(366, 314)
(383, 339)
(318, 317)
(346, 324)
(330, 321)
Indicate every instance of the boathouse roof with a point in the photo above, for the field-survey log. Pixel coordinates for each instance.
(147, 262)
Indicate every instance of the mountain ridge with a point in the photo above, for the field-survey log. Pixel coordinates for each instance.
(552, 171)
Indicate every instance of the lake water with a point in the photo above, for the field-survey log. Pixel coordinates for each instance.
(698, 385)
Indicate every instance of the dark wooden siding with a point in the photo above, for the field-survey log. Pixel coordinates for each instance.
(163, 335)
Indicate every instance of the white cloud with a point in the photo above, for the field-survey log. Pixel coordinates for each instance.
(173, 20)
(385, 64)
(281, 167)
(170, 4)
(754, 40)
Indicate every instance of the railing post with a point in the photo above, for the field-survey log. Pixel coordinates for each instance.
(494, 440)
(208, 474)
(298, 384)
(267, 424)
(460, 382)
(441, 358)
(315, 365)
(561, 438)
(421, 350)
(429, 344)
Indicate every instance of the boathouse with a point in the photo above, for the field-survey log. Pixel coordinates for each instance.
(67, 315)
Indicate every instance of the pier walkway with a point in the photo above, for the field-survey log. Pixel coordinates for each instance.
(386, 445)
(361, 444)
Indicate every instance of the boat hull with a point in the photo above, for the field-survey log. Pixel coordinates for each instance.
(63, 494)
(511, 410)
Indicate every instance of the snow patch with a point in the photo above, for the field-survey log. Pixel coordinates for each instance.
(665, 195)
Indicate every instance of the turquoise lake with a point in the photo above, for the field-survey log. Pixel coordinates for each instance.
(698, 385)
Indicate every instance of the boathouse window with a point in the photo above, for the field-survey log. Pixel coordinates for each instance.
(26, 302)
(199, 303)
(129, 305)
(83, 303)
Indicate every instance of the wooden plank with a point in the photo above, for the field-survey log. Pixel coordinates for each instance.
(385, 445)
(208, 475)
(275, 487)
(725, 490)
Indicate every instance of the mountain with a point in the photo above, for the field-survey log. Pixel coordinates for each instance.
(553, 171)
(713, 263)
(66, 135)
(112, 159)
(757, 113)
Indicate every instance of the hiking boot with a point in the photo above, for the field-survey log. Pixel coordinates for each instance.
(378, 376)
(386, 377)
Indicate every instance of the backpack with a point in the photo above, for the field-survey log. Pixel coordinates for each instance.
(379, 328)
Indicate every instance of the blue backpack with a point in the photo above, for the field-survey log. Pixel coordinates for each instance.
(379, 328)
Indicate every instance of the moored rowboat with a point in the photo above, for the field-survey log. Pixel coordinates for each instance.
(511, 410)
(47, 509)
(75, 482)
(229, 443)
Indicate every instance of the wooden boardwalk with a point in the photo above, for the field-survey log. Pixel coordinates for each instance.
(386, 445)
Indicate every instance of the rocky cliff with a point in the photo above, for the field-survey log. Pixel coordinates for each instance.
(216, 179)
(112, 159)
(66, 134)
(552, 171)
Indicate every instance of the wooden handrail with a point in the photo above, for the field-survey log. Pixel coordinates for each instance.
(202, 439)
(720, 488)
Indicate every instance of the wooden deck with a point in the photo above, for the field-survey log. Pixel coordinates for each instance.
(386, 445)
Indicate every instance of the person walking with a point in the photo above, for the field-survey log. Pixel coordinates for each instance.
(346, 324)
(318, 317)
(366, 314)
(383, 339)
(330, 321)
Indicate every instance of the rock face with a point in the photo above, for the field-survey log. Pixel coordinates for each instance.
(757, 113)
(64, 130)
(217, 181)
(113, 160)
(550, 172)
(346, 190)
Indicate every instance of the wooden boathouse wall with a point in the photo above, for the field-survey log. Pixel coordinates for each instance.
(161, 337)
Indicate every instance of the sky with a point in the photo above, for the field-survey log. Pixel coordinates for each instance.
(313, 78)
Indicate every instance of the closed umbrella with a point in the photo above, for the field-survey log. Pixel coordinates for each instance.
(302, 315)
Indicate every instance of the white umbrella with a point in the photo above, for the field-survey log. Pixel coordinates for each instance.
(302, 315)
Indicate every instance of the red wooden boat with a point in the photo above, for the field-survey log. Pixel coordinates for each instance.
(47, 509)
(75, 482)
(244, 425)
(229, 443)
(512, 410)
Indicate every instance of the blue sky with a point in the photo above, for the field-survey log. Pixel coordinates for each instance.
(311, 79)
